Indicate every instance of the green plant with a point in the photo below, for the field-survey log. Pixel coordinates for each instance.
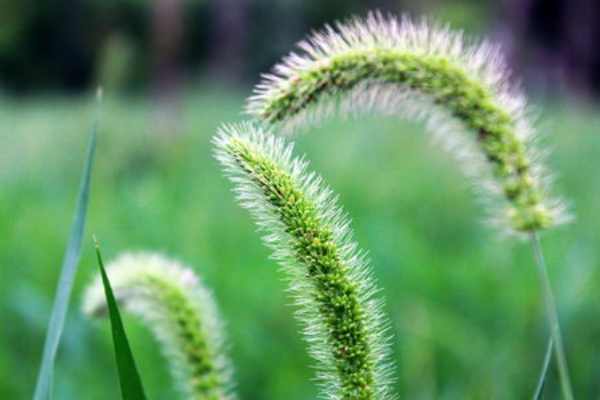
(328, 276)
(43, 388)
(174, 303)
(377, 64)
(129, 377)
(428, 72)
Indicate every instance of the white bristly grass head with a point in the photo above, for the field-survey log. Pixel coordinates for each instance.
(424, 71)
(173, 302)
(328, 276)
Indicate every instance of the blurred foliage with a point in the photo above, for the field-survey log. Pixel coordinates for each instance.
(465, 306)
(15, 18)
(116, 69)
(73, 44)
(464, 14)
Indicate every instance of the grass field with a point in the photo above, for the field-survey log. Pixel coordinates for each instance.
(464, 304)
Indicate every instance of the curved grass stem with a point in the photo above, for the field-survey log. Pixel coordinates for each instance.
(552, 314)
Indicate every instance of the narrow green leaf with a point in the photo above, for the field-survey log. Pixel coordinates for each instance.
(539, 392)
(43, 389)
(129, 377)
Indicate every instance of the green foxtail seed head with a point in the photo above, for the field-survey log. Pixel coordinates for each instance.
(328, 276)
(424, 71)
(181, 312)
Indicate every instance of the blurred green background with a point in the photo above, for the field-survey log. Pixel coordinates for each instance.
(465, 305)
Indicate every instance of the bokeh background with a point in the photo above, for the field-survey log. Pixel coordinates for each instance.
(464, 304)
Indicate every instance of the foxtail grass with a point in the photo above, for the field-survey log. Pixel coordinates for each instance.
(461, 87)
(174, 303)
(328, 276)
(423, 71)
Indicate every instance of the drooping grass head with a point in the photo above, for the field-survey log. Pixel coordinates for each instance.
(328, 277)
(174, 303)
(425, 71)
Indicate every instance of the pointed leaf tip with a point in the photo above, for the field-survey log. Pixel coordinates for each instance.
(129, 377)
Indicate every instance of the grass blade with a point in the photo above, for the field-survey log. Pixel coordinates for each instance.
(129, 377)
(43, 389)
(539, 392)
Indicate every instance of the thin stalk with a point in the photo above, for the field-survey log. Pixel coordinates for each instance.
(539, 391)
(550, 305)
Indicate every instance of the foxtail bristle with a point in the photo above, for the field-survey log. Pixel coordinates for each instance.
(425, 71)
(173, 302)
(328, 275)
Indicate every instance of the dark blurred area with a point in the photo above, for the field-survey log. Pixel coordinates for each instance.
(156, 45)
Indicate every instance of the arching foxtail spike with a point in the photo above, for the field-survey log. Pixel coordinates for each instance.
(181, 312)
(424, 71)
(329, 278)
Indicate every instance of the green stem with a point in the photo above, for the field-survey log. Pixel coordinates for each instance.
(550, 305)
(539, 391)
